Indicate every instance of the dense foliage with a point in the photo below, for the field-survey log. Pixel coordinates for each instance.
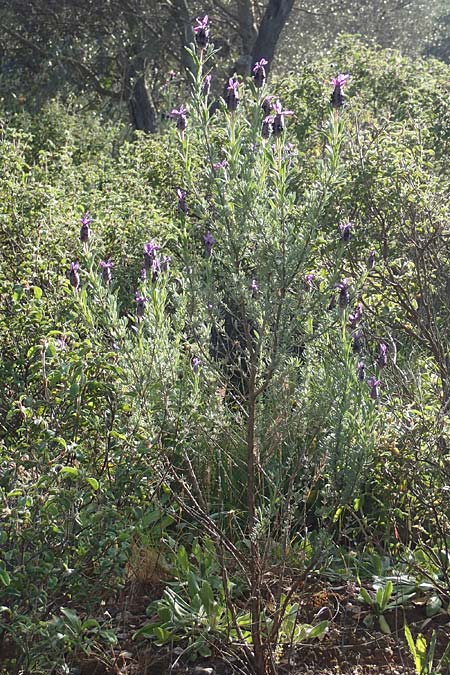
(255, 392)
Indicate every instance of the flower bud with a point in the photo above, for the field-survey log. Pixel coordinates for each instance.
(259, 73)
(232, 95)
(106, 267)
(74, 277)
(201, 31)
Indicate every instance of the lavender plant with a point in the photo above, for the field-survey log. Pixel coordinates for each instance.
(285, 407)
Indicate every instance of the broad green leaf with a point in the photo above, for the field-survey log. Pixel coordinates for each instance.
(318, 630)
(69, 471)
(384, 626)
(93, 482)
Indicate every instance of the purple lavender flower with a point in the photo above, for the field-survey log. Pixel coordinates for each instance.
(382, 355)
(165, 263)
(201, 31)
(259, 73)
(196, 363)
(106, 266)
(371, 260)
(74, 277)
(206, 86)
(209, 243)
(150, 250)
(361, 371)
(266, 105)
(356, 315)
(357, 343)
(346, 231)
(266, 127)
(337, 98)
(140, 301)
(61, 343)
(232, 96)
(182, 200)
(278, 120)
(254, 288)
(374, 384)
(156, 268)
(143, 274)
(220, 165)
(308, 281)
(85, 230)
(344, 295)
(181, 117)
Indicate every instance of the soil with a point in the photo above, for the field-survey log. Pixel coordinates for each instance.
(349, 647)
(352, 644)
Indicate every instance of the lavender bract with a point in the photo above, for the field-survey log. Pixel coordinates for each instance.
(337, 97)
(308, 281)
(266, 105)
(106, 267)
(361, 371)
(266, 127)
(180, 116)
(374, 384)
(150, 250)
(206, 86)
(196, 363)
(254, 288)
(165, 263)
(356, 315)
(357, 343)
(344, 295)
(182, 206)
(382, 355)
(201, 31)
(278, 119)
(232, 95)
(140, 301)
(85, 230)
(74, 277)
(156, 268)
(346, 231)
(209, 243)
(259, 73)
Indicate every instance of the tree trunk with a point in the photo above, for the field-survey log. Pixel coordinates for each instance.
(261, 42)
(274, 19)
(142, 111)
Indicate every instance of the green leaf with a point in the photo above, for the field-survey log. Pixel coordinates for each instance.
(93, 482)
(387, 592)
(420, 652)
(410, 641)
(37, 292)
(384, 626)
(70, 471)
(5, 579)
(433, 606)
(207, 596)
(318, 630)
(72, 619)
(203, 649)
(365, 596)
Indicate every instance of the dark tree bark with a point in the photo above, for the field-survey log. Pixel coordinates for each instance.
(142, 111)
(274, 19)
(259, 42)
